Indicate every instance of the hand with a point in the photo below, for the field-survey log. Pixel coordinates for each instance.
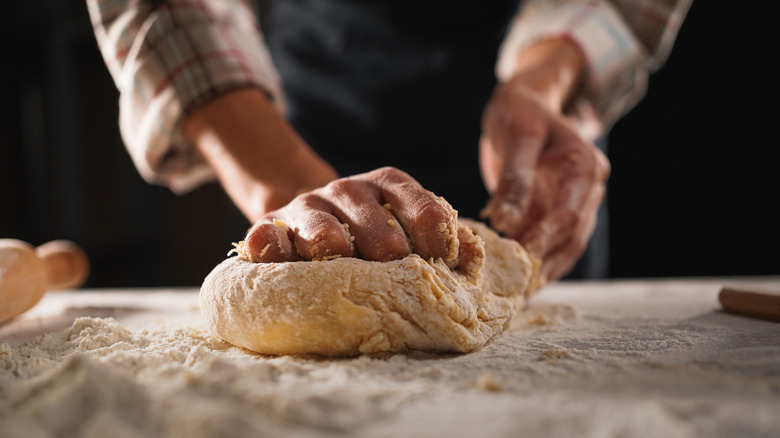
(546, 180)
(381, 215)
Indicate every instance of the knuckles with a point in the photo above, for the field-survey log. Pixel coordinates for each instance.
(341, 187)
(321, 235)
(310, 229)
(388, 175)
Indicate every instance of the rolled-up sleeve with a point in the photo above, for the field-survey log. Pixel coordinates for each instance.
(169, 57)
(622, 40)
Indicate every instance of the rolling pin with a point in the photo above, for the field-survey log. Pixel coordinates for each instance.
(752, 301)
(26, 272)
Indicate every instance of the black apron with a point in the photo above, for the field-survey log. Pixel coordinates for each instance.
(372, 83)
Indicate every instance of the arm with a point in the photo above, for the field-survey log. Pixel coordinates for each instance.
(199, 98)
(568, 70)
(621, 42)
(258, 158)
(545, 178)
(169, 58)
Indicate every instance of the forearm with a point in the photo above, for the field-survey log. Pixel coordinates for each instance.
(168, 58)
(258, 158)
(621, 42)
(554, 68)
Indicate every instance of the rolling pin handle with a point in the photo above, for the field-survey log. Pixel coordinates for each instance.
(67, 264)
(26, 273)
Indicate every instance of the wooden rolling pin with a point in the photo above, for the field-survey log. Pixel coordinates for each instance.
(26, 272)
(752, 301)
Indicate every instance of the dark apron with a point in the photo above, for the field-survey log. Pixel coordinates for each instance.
(372, 83)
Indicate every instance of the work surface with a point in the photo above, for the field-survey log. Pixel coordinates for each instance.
(633, 358)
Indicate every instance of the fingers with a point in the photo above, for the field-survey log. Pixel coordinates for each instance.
(430, 222)
(381, 216)
(317, 233)
(557, 226)
(545, 178)
(377, 235)
(560, 260)
(515, 132)
(471, 251)
(304, 229)
(268, 242)
(512, 195)
(559, 238)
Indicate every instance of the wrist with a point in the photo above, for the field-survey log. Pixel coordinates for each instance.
(554, 68)
(259, 159)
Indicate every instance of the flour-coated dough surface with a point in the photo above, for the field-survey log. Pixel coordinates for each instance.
(349, 306)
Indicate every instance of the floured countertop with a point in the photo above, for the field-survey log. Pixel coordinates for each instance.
(634, 358)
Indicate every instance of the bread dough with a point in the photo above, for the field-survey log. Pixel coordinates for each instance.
(348, 306)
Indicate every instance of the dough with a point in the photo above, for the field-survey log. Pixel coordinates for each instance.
(349, 306)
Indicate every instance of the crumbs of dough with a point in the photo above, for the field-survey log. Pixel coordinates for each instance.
(449, 230)
(552, 354)
(541, 319)
(391, 222)
(281, 225)
(346, 230)
(387, 206)
(488, 383)
(240, 249)
(265, 249)
(326, 258)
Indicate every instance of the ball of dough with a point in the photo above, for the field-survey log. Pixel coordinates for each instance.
(348, 306)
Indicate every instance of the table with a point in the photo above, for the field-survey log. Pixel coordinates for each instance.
(589, 359)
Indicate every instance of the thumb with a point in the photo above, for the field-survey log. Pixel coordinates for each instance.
(511, 197)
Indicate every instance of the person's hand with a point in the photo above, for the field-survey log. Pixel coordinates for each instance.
(546, 180)
(381, 215)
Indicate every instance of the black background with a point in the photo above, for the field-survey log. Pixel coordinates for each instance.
(694, 189)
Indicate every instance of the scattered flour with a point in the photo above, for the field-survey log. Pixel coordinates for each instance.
(99, 379)
(580, 373)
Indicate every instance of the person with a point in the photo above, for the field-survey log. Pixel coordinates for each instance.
(404, 97)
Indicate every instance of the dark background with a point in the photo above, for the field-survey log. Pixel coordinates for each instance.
(694, 189)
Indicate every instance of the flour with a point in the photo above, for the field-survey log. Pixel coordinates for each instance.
(99, 379)
(676, 368)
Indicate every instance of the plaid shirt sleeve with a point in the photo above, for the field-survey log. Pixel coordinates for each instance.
(622, 40)
(166, 58)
